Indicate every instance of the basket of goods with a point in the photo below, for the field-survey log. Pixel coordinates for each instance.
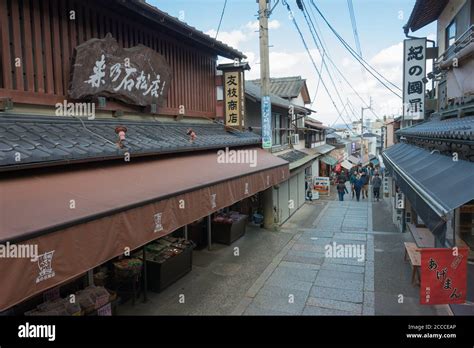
(85, 301)
(183, 244)
(155, 248)
(128, 268)
(92, 298)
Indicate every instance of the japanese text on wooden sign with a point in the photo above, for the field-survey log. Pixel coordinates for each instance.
(414, 72)
(233, 98)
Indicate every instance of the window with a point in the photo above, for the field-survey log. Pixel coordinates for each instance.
(276, 129)
(220, 93)
(451, 34)
(285, 121)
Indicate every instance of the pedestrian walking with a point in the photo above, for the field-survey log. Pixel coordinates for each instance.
(341, 190)
(365, 186)
(376, 184)
(342, 176)
(359, 183)
(352, 180)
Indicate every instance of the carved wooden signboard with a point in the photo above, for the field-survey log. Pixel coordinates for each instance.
(137, 75)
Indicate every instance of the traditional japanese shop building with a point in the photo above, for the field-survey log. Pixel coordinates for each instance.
(294, 138)
(433, 163)
(108, 137)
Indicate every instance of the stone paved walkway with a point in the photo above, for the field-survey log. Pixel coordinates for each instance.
(302, 280)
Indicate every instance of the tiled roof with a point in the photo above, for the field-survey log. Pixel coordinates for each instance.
(46, 140)
(293, 156)
(253, 90)
(315, 124)
(424, 12)
(285, 87)
(452, 128)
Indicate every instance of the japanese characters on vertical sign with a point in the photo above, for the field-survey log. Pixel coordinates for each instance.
(443, 276)
(233, 98)
(414, 71)
(266, 123)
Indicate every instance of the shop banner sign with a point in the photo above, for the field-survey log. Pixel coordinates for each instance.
(414, 72)
(266, 123)
(443, 275)
(233, 98)
(322, 185)
(138, 75)
(400, 201)
(385, 185)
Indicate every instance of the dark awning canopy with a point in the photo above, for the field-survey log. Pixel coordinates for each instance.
(444, 184)
(424, 12)
(81, 218)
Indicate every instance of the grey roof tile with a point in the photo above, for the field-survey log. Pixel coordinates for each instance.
(42, 139)
(452, 128)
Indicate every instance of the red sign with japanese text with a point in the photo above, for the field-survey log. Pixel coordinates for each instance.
(443, 276)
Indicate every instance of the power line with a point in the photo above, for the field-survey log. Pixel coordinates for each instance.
(310, 56)
(220, 20)
(323, 44)
(316, 43)
(326, 54)
(357, 57)
(356, 34)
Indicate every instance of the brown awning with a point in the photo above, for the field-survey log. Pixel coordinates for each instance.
(116, 207)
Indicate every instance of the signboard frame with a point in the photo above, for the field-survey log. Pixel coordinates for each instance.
(414, 60)
(240, 104)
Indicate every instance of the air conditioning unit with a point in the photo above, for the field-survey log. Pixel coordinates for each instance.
(295, 139)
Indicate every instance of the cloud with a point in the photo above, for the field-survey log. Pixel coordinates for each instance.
(245, 33)
(232, 38)
(254, 25)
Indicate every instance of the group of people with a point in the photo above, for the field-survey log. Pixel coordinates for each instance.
(359, 179)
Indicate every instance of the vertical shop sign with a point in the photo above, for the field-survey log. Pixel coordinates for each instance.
(233, 99)
(443, 276)
(400, 201)
(266, 123)
(414, 72)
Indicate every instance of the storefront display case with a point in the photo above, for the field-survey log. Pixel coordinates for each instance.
(227, 228)
(168, 259)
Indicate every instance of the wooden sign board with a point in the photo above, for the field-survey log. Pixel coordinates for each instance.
(137, 75)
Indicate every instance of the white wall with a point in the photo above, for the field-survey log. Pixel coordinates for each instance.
(315, 168)
(444, 19)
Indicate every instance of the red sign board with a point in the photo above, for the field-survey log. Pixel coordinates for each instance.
(443, 276)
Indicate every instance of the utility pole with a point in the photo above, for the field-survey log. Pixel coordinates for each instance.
(362, 130)
(263, 14)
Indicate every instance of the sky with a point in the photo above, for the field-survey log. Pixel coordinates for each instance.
(379, 26)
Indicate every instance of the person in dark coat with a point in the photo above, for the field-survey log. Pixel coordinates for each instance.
(358, 185)
(341, 190)
(376, 183)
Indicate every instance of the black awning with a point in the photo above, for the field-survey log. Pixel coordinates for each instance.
(443, 183)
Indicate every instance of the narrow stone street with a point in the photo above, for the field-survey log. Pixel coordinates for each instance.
(287, 272)
(301, 280)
